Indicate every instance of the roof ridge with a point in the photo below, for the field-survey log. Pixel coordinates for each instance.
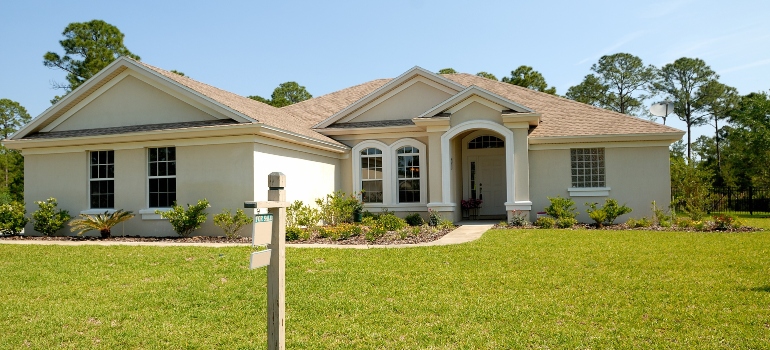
(581, 104)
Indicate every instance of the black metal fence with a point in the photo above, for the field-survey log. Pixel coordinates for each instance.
(729, 199)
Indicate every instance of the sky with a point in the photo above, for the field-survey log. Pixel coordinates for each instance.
(249, 47)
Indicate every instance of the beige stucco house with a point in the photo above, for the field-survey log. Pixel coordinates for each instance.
(138, 138)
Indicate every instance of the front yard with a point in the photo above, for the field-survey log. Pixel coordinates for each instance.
(510, 289)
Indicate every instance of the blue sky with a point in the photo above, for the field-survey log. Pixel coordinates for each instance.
(249, 47)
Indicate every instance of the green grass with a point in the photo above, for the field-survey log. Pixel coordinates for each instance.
(510, 289)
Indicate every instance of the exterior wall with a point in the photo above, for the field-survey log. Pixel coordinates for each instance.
(636, 176)
(63, 176)
(475, 111)
(409, 103)
(118, 107)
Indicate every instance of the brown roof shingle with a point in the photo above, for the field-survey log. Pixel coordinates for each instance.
(256, 110)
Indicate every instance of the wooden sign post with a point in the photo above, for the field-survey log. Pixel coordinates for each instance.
(276, 255)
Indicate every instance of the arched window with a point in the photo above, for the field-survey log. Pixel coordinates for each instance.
(371, 175)
(408, 177)
(486, 141)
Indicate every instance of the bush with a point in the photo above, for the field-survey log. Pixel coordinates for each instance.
(637, 223)
(338, 207)
(293, 233)
(545, 222)
(47, 220)
(565, 222)
(13, 218)
(445, 224)
(391, 222)
(561, 208)
(300, 215)
(232, 224)
(186, 221)
(434, 218)
(683, 222)
(659, 216)
(519, 218)
(375, 232)
(608, 213)
(723, 222)
(100, 222)
(414, 219)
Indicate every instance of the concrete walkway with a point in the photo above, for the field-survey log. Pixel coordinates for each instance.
(468, 231)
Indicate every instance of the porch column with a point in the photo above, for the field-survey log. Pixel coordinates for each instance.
(521, 165)
(434, 167)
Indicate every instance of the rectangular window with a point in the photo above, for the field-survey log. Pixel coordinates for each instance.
(162, 176)
(408, 175)
(371, 175)
(102, 180)
(588, 167)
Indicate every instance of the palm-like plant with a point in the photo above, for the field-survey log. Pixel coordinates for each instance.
(102, 222)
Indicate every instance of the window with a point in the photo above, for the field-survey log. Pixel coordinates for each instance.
(408, 174)
(588, 167)
(371, 175)
(102, 180)
(162, 176)
(486, 141)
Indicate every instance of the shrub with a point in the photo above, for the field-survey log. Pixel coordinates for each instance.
(561, 208)
(545, 222)
(519, 218)
(232, 224)
(338, 207)
(414, 219)
(683, 222)
(637, 223)
(293, 233)
(445, 224)
(186, 221)
(350, 230)
(608, 213)
(723, 222)
(300, 215)
(13, 218)
(700, 225)
(660, 217)
(597, 215)
(375, 232)
(391, 222)
(47, 220)
(565, 222)
(101, 222)
(434, 218)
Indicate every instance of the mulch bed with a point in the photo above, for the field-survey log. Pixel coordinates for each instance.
(392, 237)
(194, 239)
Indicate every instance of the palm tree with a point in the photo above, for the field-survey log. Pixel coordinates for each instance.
(102, 222)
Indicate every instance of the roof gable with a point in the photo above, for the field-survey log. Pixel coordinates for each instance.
(392, 88)
(475, 94)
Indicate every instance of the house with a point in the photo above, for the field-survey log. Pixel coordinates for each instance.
(139, 138)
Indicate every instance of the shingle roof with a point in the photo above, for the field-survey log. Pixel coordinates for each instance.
(372, 124)
(128, 129)
(559, 116)
(256, 110)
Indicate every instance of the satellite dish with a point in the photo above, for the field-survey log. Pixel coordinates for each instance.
(662, 109)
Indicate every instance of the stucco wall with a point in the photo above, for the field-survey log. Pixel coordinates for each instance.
(636, 176)
(475, 111)
(118, 106)
(409, 103)
(308, 176)
(63, 176)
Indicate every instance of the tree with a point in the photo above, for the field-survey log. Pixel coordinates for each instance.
(591, 91)
(682, 82)
(285, 94)
(486, 75)
(88, 48)
(177, 72)
(747, 146)
(447, 71)
(717, 100)
(12, 117)
(529, 78)
(617, 84)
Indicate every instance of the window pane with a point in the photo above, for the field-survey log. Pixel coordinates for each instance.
(161, 154)
(153, 169)
(162, 169)
(94, 171)
(171, 168)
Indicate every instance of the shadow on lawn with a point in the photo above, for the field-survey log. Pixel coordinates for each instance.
(765, 288)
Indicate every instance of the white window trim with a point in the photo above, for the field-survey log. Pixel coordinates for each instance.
(90, 179)
(390, 173)
(589, 191)
(149, 214)
(97, 211)
(147, 184)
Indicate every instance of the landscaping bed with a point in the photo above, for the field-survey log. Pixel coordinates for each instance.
(194, 239)
(410, 235)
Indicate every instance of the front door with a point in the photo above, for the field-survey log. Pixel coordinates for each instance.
(486, 180)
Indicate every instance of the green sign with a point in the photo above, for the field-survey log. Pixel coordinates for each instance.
(263, 218)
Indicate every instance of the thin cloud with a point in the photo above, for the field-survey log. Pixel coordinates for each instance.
(625, 40)
(663, 9)
(747, 66)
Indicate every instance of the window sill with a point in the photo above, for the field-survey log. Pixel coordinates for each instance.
(395, 207)
(97, 211)
(149, 214)
(589, 191)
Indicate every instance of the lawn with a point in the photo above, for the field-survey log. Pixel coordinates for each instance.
(510, 289)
